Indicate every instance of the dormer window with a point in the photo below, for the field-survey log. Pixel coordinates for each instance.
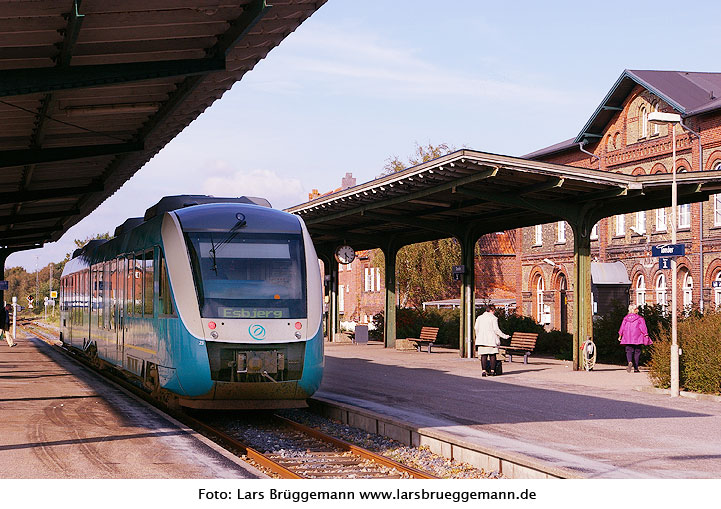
(656, 127)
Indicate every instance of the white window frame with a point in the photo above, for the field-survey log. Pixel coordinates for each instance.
(540, 288)
(341, 299)
(661, 291)
(620, 225)
(378, 279)
(717, 291)
(684, 216)
(640, 290)
(717, 209)
(661, 222)
(643, 116)
(656, 127)
(367, 280)
(594, 232)
(561, 232)
(538, 232)
(687, 290)
(641, 222)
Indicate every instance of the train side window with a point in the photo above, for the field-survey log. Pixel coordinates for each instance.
(138, 285)
(99, 295)
(148, 293)
(130, 286)
(165, 301)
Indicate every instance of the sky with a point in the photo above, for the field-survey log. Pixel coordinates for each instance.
(360, 82)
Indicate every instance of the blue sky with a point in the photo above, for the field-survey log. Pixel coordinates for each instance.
(362, 81)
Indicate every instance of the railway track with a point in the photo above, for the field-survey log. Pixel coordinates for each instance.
(283, 448)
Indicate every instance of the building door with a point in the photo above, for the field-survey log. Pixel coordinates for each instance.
(563, 303)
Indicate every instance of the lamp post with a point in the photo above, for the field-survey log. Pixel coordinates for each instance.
(671, 119)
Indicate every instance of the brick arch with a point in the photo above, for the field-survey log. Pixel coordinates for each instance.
(635, 271)
(713, 269)
(682, 164)
(536, 273)
(658, 168)
(555, 277)
(713, 159)
(638, 171)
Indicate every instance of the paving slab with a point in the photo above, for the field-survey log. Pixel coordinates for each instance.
(61, 421)
(606, 423)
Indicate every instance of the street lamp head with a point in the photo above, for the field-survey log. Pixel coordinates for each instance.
(659, 118)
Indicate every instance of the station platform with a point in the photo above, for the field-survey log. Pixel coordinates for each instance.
(606, 423)
(60, 421)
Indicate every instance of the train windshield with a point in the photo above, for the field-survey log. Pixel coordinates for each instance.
(249, 276)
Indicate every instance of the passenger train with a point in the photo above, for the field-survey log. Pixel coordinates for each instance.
(210, 303)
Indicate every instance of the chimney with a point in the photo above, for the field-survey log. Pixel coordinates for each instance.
(347, 181)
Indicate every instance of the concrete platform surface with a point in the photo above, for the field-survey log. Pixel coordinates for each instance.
(60, 421)
(601, 424)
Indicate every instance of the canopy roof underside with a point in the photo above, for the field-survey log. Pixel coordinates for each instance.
(90, 91)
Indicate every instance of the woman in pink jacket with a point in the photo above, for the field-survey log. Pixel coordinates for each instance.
(633, 333)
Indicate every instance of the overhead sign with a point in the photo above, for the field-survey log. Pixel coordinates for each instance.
(668, 250)
(4, 285)
(664, 263)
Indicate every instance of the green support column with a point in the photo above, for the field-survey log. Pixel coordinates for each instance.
(333, 311)
(468, 294)
(582, 306)
(389, 334)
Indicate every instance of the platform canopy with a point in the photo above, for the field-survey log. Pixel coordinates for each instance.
(467, 194)
(468, 190)
(90, 90)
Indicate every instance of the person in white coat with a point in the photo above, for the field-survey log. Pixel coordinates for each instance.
(488, 338)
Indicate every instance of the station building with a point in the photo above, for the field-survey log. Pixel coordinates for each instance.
(619, 138)
(534, 266)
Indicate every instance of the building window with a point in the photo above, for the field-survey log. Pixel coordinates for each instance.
(540, 287)
(661, 220)
(620, 225)
(341, 299)
(372, 279)
(656, 127)
(661, 291)
(684, 216)
(643, 116)
(687, 291)
(717, 210)
(594, 232)
(641, 222)
(367, 280)
(539, 235)
(717, 290)
(561, 232)
(640, 290)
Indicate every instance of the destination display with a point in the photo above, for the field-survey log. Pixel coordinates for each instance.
(227, 312)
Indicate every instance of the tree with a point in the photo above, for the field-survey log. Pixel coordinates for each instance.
(423, 271)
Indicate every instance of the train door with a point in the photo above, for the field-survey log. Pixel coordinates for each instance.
(121, 276)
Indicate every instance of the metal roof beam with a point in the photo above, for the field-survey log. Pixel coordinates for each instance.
(27, 218)
(12, 234)
(252, 13)
(46, 79)
(514, 199)
(10, 158)
(51, 194)
(72, 31)
(551, 183)
(446, 228)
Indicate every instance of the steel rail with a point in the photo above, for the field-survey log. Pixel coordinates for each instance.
(228, 442)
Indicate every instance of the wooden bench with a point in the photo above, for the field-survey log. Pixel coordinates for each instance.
(522, 343)
(428, 337)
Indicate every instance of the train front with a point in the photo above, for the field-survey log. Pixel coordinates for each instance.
(247, 287)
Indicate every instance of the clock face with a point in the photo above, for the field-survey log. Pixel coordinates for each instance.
(345, 254)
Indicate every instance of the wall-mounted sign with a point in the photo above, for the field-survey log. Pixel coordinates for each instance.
(668, 250)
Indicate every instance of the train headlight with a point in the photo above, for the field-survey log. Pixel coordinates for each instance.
(298, 325)
(212, 325)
